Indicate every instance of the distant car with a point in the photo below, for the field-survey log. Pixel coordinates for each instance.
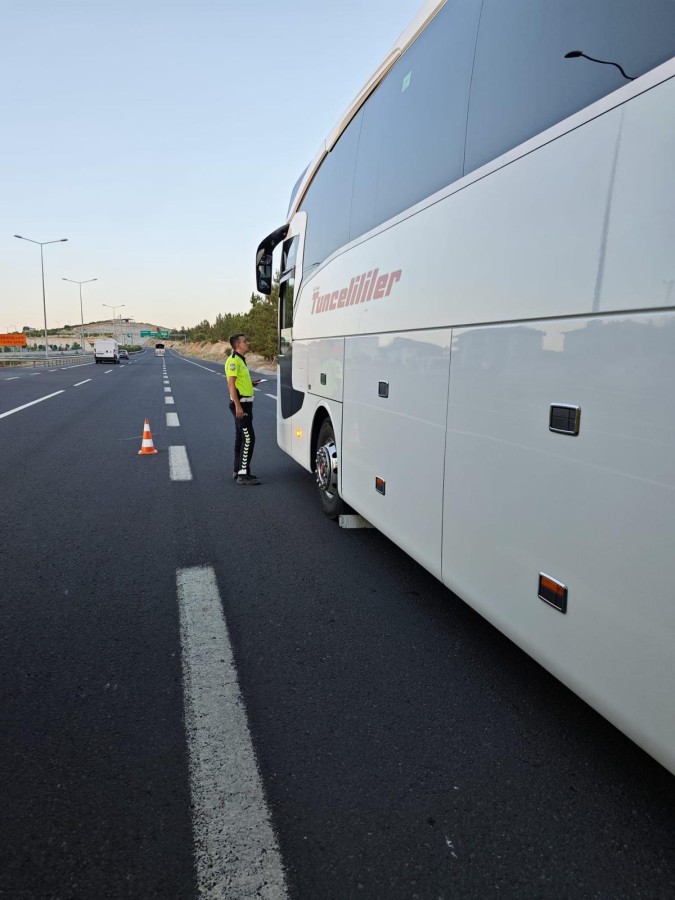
(124, 354)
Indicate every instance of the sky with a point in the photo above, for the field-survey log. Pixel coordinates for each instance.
(163, 138)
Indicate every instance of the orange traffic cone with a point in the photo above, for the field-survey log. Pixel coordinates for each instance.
(147, 446)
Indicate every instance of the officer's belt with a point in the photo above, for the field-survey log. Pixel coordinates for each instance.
(246, 399)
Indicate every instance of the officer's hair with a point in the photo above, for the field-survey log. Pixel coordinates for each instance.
(235, 338)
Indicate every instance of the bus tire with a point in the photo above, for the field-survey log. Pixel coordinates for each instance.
(326, 471)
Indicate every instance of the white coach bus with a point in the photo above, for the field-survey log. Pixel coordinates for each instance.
(477, 329)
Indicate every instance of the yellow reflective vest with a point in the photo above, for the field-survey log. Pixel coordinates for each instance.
(236, 367)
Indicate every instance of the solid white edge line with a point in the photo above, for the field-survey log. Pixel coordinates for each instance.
(206, 368)
(32, 403)
(179, 465)
(236, 851)
(172, 420)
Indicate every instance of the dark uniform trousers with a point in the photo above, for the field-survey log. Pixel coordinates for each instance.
(244, 439)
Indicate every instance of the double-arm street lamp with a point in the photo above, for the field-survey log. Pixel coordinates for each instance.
(42, 265)
(72, 281)
(117, 306)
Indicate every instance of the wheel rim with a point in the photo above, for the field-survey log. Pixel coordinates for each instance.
(327, 468)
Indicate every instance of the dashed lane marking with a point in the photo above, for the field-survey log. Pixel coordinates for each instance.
(179, 464)
(236, 850)
(168, 400)
(167, 390)
(13, 378)
(82, 382)
(32, 403)
(172, 420)
(108, 372)
(273, 396)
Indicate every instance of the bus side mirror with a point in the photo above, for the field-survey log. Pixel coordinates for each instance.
(263, 259)
(264, 273)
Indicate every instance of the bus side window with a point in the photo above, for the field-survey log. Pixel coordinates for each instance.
(287, 293)
(414, 123)
(523, 84)
(331, 190)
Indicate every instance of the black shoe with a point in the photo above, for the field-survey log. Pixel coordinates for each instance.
(247, 479)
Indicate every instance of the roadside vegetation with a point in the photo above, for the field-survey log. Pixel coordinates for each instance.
(259, 323)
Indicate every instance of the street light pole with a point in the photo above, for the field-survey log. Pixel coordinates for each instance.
(42, 267)
(80, 283)
(117, 306)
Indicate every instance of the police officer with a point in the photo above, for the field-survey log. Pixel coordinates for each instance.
(240, 387)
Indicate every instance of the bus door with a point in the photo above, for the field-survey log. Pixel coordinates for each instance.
(292, 364)
(292, 383)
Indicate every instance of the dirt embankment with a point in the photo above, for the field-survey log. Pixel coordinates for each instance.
(219, 352)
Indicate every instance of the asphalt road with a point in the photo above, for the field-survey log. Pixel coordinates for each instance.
(405, 748)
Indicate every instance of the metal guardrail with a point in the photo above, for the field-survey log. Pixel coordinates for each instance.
(40, 360)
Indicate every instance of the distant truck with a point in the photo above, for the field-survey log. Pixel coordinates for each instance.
(106, 351)
(159, 349)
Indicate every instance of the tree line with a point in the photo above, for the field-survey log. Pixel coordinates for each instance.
(259, 324)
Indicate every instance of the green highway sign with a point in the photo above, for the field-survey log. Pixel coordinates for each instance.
(149, 334)
(164, 334)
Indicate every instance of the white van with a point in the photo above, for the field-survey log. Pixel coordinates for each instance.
(159, 349)
(106, 351)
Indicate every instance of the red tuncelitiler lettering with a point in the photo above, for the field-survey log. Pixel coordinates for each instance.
(362, 288)
(371, 286)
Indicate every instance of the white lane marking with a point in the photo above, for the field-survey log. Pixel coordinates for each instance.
(13, 378)
(168, 400)
(273, 396)
(167, 390)
(82, 382)
(108, 372)
(77, 366)
(172, 420)
(206, 368)
(236, 851)
(36, 373)
(32, 403)
(179, 464)
(52, 370)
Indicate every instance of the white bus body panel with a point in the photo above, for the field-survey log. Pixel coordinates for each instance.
(596, 511)
(400, 438)
(468, 257)
(572, 242)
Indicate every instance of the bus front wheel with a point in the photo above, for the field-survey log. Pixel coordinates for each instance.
(327, 471)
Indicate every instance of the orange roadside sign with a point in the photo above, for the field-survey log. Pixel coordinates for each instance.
(12, 340)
